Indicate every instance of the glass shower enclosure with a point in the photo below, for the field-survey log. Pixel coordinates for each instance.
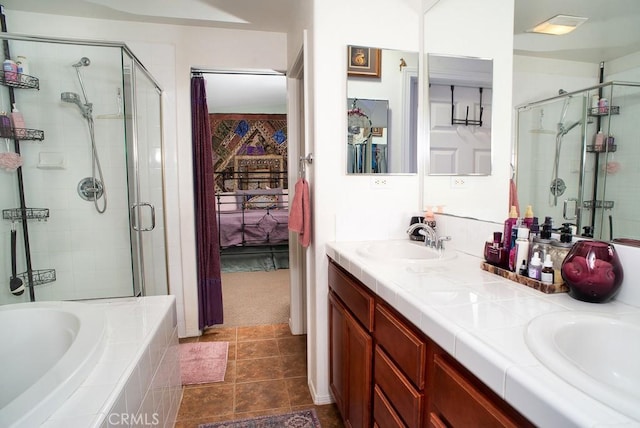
(83, 216)
(576, 159)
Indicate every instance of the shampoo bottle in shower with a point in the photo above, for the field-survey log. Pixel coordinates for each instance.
(17, 120)
(598, 143)
(5, 126)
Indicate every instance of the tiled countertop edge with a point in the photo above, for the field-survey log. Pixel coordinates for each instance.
(536, 392)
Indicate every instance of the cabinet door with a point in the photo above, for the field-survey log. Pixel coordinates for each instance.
(337, 343)
(351, 351)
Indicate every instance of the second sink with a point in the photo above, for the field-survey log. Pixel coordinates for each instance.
(597, 353)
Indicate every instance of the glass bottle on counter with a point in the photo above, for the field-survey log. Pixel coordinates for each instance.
(547, 274)
(559, 250)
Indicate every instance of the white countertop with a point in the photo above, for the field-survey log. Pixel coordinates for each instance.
(480, 318)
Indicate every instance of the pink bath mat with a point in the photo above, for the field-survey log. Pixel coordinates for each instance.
(204, 362)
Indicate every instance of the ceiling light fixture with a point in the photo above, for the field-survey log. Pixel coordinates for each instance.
(559, 25)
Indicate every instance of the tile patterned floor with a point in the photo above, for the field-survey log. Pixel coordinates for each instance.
(266, 375)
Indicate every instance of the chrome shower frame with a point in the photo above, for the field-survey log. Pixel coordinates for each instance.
(131, 119)
(562, 130)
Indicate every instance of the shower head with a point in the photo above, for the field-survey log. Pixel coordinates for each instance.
(72, 97)
(84, 62)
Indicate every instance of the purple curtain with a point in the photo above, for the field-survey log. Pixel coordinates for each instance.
(208, 252)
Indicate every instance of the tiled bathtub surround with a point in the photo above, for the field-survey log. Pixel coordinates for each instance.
(136, 382)
(480, 319)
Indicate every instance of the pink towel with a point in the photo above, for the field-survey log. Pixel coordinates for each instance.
(513, 196)
(300, 214)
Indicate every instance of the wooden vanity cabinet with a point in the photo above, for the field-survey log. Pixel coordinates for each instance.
(400, 359)
(350, 347)
(386, 373)
(459, 399)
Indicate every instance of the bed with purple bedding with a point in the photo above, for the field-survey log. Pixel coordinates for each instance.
(257, 217)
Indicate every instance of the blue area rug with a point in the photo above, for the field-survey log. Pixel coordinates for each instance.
(300, 419)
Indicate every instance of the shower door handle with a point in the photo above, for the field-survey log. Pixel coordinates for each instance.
(134, 221)
(575, 209)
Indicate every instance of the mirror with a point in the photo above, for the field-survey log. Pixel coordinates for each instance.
(460, 93)
(382, 104)
(593, 185)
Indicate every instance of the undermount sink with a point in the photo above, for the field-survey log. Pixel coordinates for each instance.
(597, 353)
(403, 251)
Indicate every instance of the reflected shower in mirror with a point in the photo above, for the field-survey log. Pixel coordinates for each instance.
(460, 92)
(382, 103)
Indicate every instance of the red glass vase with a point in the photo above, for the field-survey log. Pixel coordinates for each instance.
(592, 271)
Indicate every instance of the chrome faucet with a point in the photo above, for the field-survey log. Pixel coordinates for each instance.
(431, 238)
(429, 233)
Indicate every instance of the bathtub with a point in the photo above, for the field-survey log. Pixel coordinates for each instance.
(109, 363)
(48, 350)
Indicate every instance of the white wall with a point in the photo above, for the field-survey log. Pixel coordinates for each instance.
(347, 207)
(477, 29)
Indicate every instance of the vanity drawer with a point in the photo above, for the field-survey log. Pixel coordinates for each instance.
(355, 297)
(383, 414)
(405, 347)
(404, 398)
(460, 402)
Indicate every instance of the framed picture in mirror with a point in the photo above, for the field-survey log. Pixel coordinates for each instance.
(363, 61)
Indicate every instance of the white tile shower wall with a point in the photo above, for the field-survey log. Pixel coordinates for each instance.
(469, 236)
(90, 251)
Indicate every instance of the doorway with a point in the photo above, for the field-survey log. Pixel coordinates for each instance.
(247, 112)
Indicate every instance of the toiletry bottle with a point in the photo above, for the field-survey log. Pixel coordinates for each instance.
(547, 227)
(534, 230)
(508, 226)
(10, 70)
(610, 143)
(598, 142)
(559, 250)
(17, 121)
(415, 235)
(521, 249)
(528, 217)
(5, 126)
(595, 102)
(535, 266)
(523, 269)
(567, 232)
(603, 106)
(514, 232)
(547, 272)
(494, 252)
(23, 66)
(430, 219)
